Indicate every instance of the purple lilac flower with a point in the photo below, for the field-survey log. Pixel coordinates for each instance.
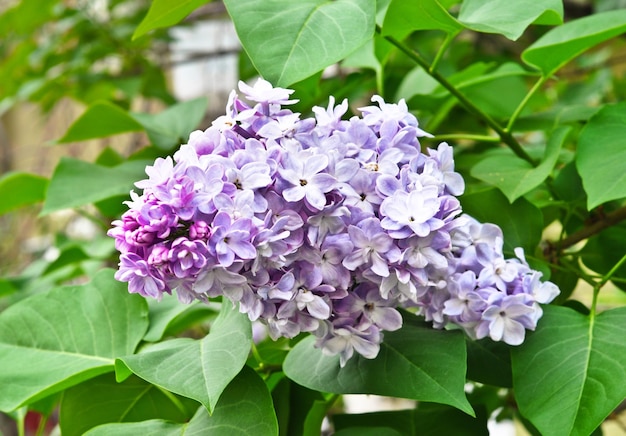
(323, 225)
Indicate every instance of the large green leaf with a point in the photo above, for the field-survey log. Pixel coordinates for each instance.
(102, 400)
(59, 338)
(601, 155)
(415, 362)
(509, 18)
(514, 176)
(19, 189)
(101, 119)
(562, 44)
(404, 17)
(172, 126)
(200, 369)
(77, 183)
(245, 408)
(288, 41)
(165, 13)
(571, 373)
(520, 221)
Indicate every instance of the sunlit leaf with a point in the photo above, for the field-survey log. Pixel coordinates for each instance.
(60, 338)
(288, 41)
(415, 362)
(165, 13)
(563, 43)
(200, 369)
(601, 155)
(571, 373)
(19, 189)
(404, 17)
(244, 409)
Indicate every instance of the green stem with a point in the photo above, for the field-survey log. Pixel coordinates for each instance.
(524, 102)
(601, 283)
(446, 43)
(504, 135)
(257, 356)
(41, 428)
(468, 136)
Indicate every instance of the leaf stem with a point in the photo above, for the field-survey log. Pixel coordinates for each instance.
(446, 43)
(468, 136)
(524, 102)
(504, 135)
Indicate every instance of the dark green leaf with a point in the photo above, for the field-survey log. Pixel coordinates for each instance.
(102, 400)
(489, 362)
(563, 43)
(605, 249)
(60, 338)
(19, 189)
(288, 41)
(514, 176)
(172, 126)
(201, 369)
(77, 183)
(571, 373)
(601, 155)
(244, 409)
(165, 13)
(521, 222)
(415, 362)
(509, 18)
(101, 119)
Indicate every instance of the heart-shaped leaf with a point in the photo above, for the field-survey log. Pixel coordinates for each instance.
(42, 352)
(200, 369)
(415, 362)
(245, 408)
(165, 13)
(601, 155)
(571, 373)
(288, 41)
(404, 17)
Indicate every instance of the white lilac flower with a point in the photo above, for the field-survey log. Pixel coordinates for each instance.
(323, 225)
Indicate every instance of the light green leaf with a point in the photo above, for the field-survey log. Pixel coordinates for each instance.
(509, 18)
(289, 41)
(571, 373)
(19, 189)
(172, 126)
(76, 182)
(562, 44)
(514, 176)
(200, 370)
(521, 222)
(165, 13)
(601, 155)
(415, 362)
(244, 409)
(100, 120)
(60, 338)
(404, 17)
(102, 400)
(165, 313)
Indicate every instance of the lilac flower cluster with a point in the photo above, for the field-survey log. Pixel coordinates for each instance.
(323, 225)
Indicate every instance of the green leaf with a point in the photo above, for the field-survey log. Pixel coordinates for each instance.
(76, 182)
(509, 18)
(165, 313)
(489, 362)
(415, 362)
(288, 41)
(60, 338)
(102, 400)
(200, 370)
(603, 250)
(165, 13)
(101, 119)
(514, 176)
(601, 155)
(571, 373)
(172, 126)
(562, 44)
(404, 17)
(521, 222)
(245, 408)
(19, 189)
